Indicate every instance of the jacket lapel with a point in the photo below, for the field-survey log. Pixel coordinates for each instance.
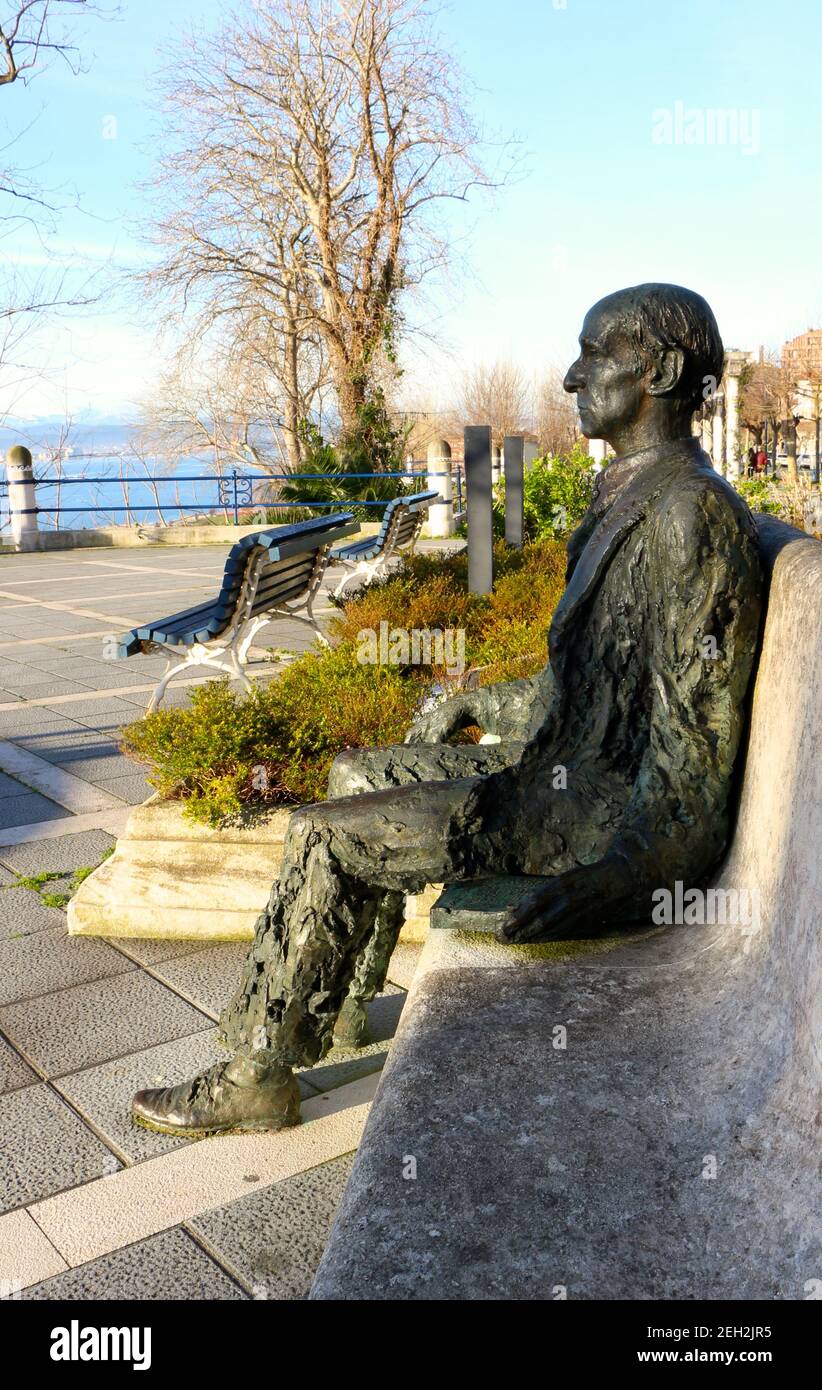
(587, 566)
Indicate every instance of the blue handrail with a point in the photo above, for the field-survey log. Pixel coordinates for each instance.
(235, 492)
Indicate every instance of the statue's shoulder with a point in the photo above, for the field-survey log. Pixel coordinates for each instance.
(695, 498)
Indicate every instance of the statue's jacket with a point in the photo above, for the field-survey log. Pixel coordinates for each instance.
(633, 730)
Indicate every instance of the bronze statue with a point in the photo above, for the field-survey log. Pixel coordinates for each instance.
(640, 710)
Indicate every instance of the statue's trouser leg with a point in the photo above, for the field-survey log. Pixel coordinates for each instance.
(377, 769)
(345, 863)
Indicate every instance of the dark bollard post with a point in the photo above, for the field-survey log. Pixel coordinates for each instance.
(514, 460)
(477, 448)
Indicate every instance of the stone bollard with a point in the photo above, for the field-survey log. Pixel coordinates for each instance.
(514, 459)
(480, 514)
(440, 514)
(22, 501)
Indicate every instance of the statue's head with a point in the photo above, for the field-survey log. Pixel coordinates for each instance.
(649, 356)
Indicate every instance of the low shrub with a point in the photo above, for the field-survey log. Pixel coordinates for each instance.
(557, 491)
(793, 502)
(223, 751)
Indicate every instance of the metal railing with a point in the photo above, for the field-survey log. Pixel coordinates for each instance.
(236, 492)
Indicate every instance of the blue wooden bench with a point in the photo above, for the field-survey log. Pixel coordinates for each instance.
(269, 574)
(368, 559)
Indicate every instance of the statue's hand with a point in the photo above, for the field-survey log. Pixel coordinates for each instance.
(579, 903)
(441, 723)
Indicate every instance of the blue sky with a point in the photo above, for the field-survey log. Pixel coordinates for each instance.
(623, 178)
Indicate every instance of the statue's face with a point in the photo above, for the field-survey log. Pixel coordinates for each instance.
(610, 391)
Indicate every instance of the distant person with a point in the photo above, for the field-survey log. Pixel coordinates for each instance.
(751, 462)
(761, 463)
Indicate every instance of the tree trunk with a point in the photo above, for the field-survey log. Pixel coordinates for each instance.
(350, 397)
(291, 411)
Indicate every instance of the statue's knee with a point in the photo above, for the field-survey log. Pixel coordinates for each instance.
(350, 774)
(342, 770)
(299, 824)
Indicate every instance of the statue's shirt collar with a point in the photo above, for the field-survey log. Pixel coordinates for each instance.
(625, 489)
(618, 475)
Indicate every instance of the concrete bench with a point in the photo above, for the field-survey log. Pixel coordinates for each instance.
(268, 574)
(368, 559)
(635, 1118)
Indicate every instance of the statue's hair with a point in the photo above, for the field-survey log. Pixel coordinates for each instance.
(660, 317)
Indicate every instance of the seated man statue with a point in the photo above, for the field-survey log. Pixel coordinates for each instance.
(642, 705)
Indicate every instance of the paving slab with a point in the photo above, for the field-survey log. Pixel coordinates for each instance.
(67, 744)
(208, 978)
(132, 788)
(22, 911)
(26, 1255)
(31, 720)
(27, 808)
(45, 1148)
(167, 1266)
(44, 961)
(51, 780)
(96, 766)
(62, 854)
(272, 1240)
(153, 951)
(14, 1072)
(43, 688)
(9, 786)
(90, 1023)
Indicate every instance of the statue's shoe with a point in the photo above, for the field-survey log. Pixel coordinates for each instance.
(351, 1028)
(213, 1102)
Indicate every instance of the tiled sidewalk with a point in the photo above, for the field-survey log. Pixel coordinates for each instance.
(95, 1207)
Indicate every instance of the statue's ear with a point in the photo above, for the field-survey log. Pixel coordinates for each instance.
(667, 372)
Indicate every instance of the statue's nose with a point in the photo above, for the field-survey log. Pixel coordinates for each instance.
(572, 381)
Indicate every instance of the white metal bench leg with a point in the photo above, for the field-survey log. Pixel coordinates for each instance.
(351, 574)
(366, 570)
(160, 687)
(198, 656)
(247, 637)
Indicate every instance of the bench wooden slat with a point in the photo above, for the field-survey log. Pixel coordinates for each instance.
(277, 583)
(296, 564)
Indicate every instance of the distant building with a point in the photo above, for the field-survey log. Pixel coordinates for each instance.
(803, 354)
(429, 425)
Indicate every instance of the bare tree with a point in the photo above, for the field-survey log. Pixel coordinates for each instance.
(227, 404)
(32, 31)
(766, 397)
(496, 394)
(555, 416)
(311, 145)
